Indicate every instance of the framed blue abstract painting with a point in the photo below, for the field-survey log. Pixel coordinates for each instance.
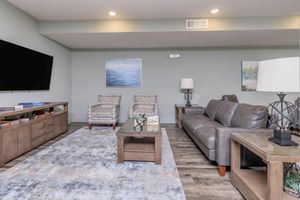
(123, 73)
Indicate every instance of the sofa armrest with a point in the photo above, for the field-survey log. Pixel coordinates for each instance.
(223, 146)
(194, 110)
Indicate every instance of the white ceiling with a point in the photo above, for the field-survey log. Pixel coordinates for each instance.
(72, 10)
(154, 9)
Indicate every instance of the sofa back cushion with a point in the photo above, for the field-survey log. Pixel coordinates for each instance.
(250, 116)
(211, 108)
(225, 111)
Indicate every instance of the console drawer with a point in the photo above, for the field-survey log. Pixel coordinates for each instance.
(38, 132)
(42, 124)
(41, 140)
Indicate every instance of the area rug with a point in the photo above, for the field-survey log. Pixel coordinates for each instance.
(83, 166)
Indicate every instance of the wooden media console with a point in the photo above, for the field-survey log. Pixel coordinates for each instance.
(25, 129)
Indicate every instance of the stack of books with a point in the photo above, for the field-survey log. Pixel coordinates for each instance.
(31, 104)
(153, 121)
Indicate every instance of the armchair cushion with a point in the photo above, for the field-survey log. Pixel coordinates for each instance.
(225, 111)
(109, 99)
(148, 109)
(250, 116)
(211, 108)
(145, 99)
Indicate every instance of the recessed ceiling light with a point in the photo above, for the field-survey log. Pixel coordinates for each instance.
(214, 11)
(112, 13)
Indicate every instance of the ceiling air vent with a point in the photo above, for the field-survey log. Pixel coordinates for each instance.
(196, 23)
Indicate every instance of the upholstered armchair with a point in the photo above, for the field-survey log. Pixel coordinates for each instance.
(106, 111)
(144, 104)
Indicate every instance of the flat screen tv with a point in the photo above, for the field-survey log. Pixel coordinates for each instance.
(23, 68)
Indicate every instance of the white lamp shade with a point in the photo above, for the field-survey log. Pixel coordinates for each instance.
(187, 83)
(279, 75)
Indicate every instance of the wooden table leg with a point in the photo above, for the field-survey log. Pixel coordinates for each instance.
(120, 143)
(235, 160)
(157, 150)
(275, 180)
(235, 155)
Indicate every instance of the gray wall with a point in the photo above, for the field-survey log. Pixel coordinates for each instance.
(17, 27)
(215, 72)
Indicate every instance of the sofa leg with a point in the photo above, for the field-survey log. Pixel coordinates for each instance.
(222, 170)
(114, 126)
(90, 126)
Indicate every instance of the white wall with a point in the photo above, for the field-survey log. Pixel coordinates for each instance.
(19, 28)
(215, 72)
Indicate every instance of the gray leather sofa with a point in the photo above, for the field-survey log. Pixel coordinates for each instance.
(210, 128)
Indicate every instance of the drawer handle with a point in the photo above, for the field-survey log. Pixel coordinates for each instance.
(17, 141)
(42, 140)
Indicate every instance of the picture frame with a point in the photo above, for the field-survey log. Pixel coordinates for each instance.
(249, 71)
(123, 73)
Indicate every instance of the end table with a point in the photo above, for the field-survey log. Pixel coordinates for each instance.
(179, 110)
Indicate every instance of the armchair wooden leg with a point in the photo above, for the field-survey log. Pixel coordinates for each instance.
(222, 170)
(90, 126)
(114, 126)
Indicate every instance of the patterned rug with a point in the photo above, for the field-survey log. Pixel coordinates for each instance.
(83, 166)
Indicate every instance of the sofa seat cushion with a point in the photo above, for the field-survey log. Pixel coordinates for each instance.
(193, 122)
(250, 116)
(225, 111)
(207, 136)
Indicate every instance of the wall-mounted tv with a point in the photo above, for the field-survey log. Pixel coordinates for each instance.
(23, 68)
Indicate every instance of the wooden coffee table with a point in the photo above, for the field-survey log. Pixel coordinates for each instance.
(139, 146)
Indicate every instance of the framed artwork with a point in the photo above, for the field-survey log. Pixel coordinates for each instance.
(123, 73)
(249, 75)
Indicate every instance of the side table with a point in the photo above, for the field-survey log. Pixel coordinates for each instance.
(179, 110)
(257, 184)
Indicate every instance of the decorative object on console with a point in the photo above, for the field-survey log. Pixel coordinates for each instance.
(280, 75)
(187, 84)
(249, 75)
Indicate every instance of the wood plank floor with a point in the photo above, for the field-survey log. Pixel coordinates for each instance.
(199, 177)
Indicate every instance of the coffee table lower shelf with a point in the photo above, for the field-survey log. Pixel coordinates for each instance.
(139, 149)
(253, 184)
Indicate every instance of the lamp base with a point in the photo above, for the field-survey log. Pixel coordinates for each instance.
(283, 138)
(188, 104)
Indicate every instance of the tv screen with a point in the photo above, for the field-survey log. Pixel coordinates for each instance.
(23, 68)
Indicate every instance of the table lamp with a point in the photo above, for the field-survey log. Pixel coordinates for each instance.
(187, 84)
(281, 76)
